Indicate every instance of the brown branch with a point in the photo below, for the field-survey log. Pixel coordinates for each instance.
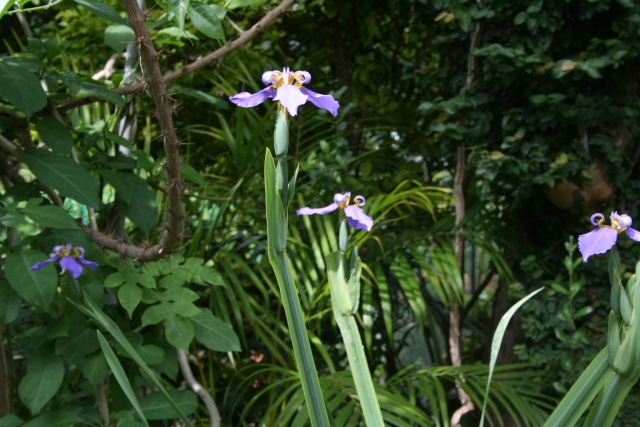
(455, 315)
(158, 87)
(195, 65)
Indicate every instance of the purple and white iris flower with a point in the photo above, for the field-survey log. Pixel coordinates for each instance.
(71, 259)
(286, 88)
(354, 213)
(604, 237)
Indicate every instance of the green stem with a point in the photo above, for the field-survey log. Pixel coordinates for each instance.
(300, 340)
(610, 400)
(585, 389)
(342, 311)
(277, 196)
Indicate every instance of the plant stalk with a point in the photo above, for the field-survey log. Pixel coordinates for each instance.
(343, 313)
(277, 197)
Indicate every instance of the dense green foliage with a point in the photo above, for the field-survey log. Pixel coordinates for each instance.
(542, 96)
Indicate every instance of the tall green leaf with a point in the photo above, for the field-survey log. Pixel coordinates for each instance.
(497, 341)
(121, 376)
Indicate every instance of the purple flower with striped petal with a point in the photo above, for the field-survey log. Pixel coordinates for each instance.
(604, 237)
(70, 258)
(286, 88)
(353, 213)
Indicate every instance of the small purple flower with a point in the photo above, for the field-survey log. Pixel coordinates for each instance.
(354, 213)
(286, 88)
(604, 237)
(71, 259)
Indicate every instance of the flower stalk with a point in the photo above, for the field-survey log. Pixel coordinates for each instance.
(612, 374)
(279, 191)
(345, 292)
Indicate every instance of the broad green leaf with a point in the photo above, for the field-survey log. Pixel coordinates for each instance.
(201, 274)
(80, 86)
(206, 20)
(139, 200)
(175, 279)
(21, 88)
(220, 10)
(50, 216)
(81, 339)
(214, 333)
(156, 406)
(190, 173)
(119, 374)
(233, 4)
(173, 310)
(64, 175)
(118, 36)
(59, 327)
(152, 354)
(10, 420)
(129, 296)
(9, 303)
(45, 372)
(176, 33)
(200, 96)
(165, 310)
(180, 331)
(35, 287)
(95, 368)
(131, 276)
(54, 134)
(179, 9)
(100, 92)
(4, 7)
(103, 11)
(55, 419)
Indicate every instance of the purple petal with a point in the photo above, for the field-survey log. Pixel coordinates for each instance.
(70, 264)
(595, 218)
(326, 102)
(597, 241)
(342, 198)
(85, 262)
(290, 97)
(634, 234)
(41, 264)
(248, 100)
(357, 218)
(320, 211)
(268, 78)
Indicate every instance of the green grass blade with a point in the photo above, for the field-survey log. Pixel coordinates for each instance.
(92, 310)
(578, 398)
(497, 341)
(121, 377)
